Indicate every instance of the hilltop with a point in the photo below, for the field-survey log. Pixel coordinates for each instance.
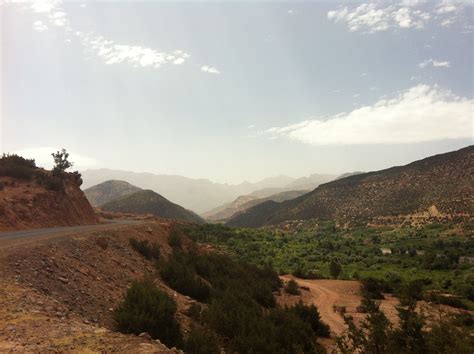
(444, 181)
(149, 202)
(31, 197)
(108, 191)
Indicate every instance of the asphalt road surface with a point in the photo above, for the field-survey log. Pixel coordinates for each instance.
(32, 233)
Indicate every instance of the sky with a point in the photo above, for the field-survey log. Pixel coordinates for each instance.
(234, 91)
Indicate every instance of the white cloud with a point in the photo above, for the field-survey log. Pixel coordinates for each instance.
(112, 53)
(43, 158)
(39, 26)
(292, 12)
(419, 114)
(44, 6)
(434, 63)
(210, 69)
(54, 15)
(382, 16)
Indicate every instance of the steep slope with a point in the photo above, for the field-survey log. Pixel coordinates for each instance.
(149, 202)
(31, 197)
(109, 190)
(199, 195)
(242, 203)
(444, 180)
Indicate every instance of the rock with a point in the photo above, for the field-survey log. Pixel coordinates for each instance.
(100, 330)
(144, 335)
(64, 280)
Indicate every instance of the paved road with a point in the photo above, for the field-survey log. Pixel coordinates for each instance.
(12, 235)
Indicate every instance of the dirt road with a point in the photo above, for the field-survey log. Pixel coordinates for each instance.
(326, 294)
(11, 239)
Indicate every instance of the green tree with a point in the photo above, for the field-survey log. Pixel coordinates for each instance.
(61, 162)
(335, 269)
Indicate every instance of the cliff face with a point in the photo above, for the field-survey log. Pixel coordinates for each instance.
(26, 204)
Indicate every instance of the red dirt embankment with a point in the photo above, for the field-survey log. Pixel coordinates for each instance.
(28, 204)
(58, 294)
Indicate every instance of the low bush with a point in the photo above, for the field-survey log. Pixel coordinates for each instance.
(17, 167)
(145, 248)
(2, 186)
(202, 341)
(195, 311)
(174, 239)
(102, 242)
(292, 287)
(449, 300)
(146, 308)
(310, 314)
(181, 276)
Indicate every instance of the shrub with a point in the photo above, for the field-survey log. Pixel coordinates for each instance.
(174, 239)
(195, 311)
(146, 308)
(17, 167)
(145, 248)
(180, 276)
(102, 242)
(2, 186)
(201, 341)
(292, 288)
(372, 289)
(335, 269)
(310, 314)
(449, 300)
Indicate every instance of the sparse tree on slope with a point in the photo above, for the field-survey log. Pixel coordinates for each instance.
(61, 162)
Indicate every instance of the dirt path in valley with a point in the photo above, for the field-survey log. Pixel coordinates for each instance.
(326, 293)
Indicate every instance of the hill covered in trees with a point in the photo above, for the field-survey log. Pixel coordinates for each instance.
(444, 181)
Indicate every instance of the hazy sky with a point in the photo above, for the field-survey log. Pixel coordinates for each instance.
(235, 91)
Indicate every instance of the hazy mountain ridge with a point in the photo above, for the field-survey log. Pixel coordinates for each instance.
(199, 195)
(443, 180)
(150, 202)
(243, 203)
(109, 190)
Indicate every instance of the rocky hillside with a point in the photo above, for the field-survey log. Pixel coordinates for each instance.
(31, 197)
(443, 180)
(109, 190)
(149, 202)
(245, 202)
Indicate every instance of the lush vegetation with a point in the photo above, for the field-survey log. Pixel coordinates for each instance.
(428, 256)
(240, 314)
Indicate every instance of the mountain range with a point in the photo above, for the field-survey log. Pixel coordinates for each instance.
(201, 195)
(244, 202)
(444, 180)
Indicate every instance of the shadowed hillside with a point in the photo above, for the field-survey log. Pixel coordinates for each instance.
(108, 191)
(149, 202)
(443, 180)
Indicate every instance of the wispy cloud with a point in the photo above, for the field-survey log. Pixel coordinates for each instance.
(209, 69)
(39, 26)
(419, 114)
(375, 17)
(112, 53)
(107, 50)
(434, 63)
